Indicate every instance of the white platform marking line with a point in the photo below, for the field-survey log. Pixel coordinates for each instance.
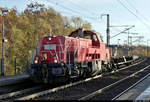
(144, 95)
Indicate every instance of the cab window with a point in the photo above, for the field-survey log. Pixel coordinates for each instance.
(95, 38)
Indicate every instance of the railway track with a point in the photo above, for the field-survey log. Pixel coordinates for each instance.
(22, 95)
(39, 90)
(15, 87)
(16, 93)
(10, 96)
(132, 86)
(115, 90)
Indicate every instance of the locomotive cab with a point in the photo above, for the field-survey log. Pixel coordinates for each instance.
(87, 34)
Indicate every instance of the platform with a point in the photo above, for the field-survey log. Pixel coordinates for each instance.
(139, 92)
(12, 79)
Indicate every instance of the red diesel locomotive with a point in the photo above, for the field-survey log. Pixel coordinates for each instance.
(60, 58)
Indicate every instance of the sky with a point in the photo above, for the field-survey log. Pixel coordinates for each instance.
(122, 12)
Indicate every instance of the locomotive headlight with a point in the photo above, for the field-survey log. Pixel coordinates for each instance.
(55, 59)
(36, 60)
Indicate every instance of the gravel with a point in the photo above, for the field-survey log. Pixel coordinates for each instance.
(78, 91)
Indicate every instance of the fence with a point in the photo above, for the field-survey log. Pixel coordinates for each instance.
(16, 67)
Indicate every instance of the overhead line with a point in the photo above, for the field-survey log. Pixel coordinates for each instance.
(137, 11)
(122, 31)
(82, 7)
(134, 15)
(74, 11)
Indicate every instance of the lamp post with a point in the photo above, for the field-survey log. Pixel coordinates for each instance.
(3, 13)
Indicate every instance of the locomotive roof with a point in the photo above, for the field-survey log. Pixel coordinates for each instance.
(86, 33)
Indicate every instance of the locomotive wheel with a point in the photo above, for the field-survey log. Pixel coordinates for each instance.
(84, 74)
(109, 67)
(114, 67)
(104, 69)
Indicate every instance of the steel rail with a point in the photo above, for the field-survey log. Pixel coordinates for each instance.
(13, 94)
(131, 86)
(87, 97)
(68, 85)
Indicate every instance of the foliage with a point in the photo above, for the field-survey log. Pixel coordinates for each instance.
(23, 31)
